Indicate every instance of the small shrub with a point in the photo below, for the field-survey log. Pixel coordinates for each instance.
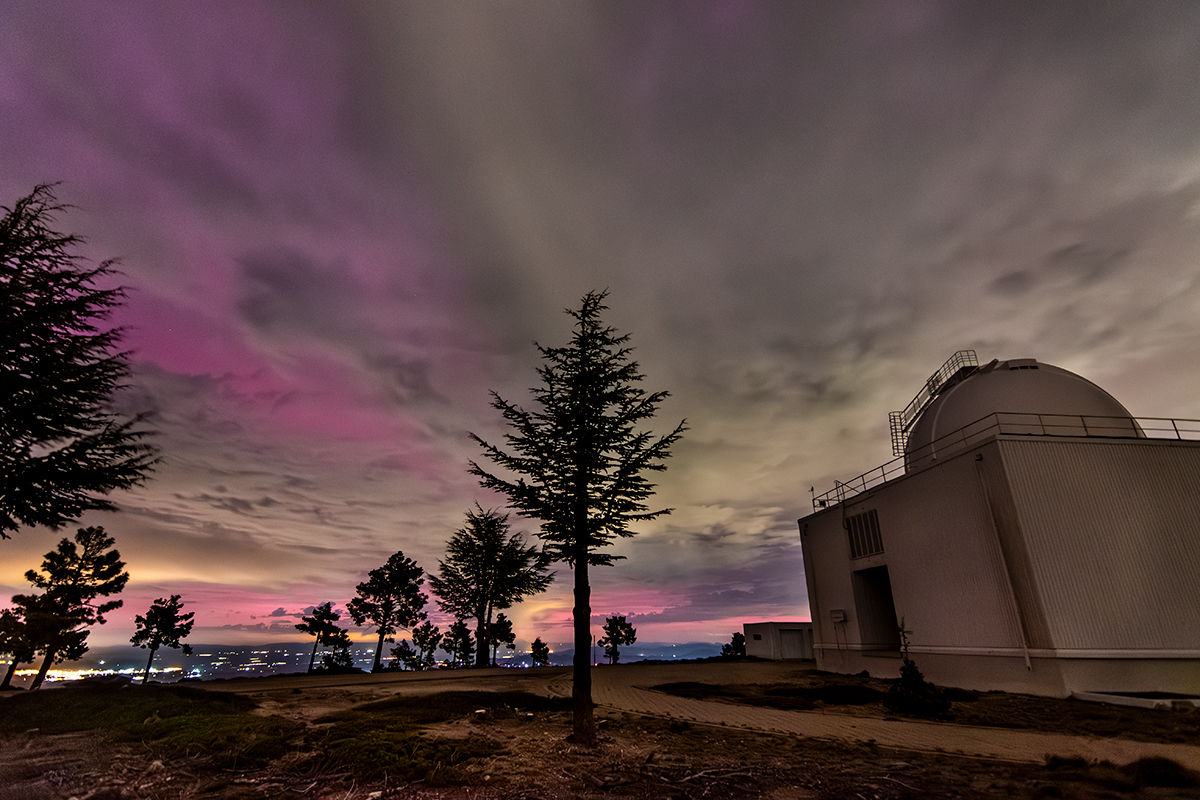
(912, 695)
(956, 695)
(1159, 771)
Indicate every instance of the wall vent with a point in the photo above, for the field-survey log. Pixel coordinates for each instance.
(863, 532)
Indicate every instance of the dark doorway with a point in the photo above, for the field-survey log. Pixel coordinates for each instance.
(876, 610)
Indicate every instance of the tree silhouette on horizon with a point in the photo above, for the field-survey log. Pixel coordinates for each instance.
(390, 599)
(487, 570)
(577, 464)
(539, 653)
(323, 625)
(72, 577)
(617, 634)
(162, 626)
(501, 632)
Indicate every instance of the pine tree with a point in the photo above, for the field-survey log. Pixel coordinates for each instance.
(539, 653)
(427, 638)
(487, 570)
(162, 626)
(62, 448)
(501, 633)
(459, 643)
(420, 652)
(912, 694)
(15, 643)
(72, 577)
(323, 625)
(617, 633)
(337, 658)
(736, 648)
(578, 464)
(390, 600)
(46, 631)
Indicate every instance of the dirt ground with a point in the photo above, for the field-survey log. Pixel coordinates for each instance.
(638, 757)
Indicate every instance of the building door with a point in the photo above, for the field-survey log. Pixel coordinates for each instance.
(795, 644)
(877, 626)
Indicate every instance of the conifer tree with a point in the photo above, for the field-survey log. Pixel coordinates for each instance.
(539, 653)
(72, 577)
(162, 626)
(323, 625)
(427, 639)
(487, 570)
(617, 633)
(43, 628)
(576, 463)
(736, 648)
(501, 633)
(390, 600)
(420, 653)
(459, 643)
(14, 643)
(62, 447)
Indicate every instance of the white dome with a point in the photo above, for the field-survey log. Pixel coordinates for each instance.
(1015, 387)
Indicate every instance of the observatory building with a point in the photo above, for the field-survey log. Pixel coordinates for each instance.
(1031, 534)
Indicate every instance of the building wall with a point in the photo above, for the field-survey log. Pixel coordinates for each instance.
(944, 562)
(1113, 535)
(779, 641)
(1014, 560)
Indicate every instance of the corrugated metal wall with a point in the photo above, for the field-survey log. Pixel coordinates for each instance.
(945, 564)
(1112, 532)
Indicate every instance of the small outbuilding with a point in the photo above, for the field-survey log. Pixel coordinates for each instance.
(1030, 536)
(779, 641)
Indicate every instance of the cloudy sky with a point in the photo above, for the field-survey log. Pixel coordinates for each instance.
(342, 225)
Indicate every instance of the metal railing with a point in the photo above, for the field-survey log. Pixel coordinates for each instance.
(1010, 424)
(956, 368)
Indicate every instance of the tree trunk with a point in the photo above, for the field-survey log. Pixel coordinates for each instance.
(481, 637)
(378, 653)
(581, 675)
(491, 650)
(8, 676)
(313, 658)
(146, 677)
(41, 675)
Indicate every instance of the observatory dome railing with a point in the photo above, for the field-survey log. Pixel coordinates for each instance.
(956, 369)
(1009, 424)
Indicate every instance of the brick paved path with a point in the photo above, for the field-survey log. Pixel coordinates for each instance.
(626, 688)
